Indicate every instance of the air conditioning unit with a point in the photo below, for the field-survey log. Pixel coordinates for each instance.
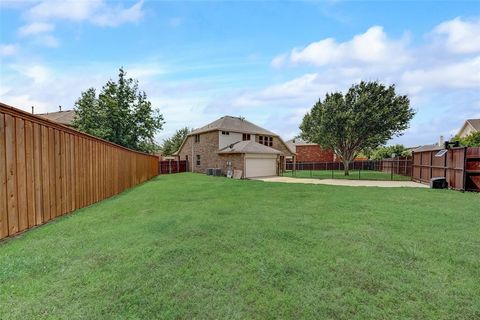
(217, 172)
(210, 171)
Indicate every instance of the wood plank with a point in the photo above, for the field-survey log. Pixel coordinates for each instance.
(58, 173)
(63, 186)
(72, 172)
(67, 173)
(37, 154)
(11, 166)
(76, 181)
(30, 174)
(45, 174)
(3, 181)
(21, 175)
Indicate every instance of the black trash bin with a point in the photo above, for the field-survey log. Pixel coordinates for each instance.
(438, 183)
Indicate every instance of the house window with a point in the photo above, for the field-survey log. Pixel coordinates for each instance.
(198, 159)
(197, 138)
(186, 157)
(225, 133)
(245, 137)
(268, 141)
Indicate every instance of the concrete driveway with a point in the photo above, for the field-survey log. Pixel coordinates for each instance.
(344, 182)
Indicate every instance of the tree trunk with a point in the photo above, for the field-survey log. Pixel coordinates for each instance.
(346, 163)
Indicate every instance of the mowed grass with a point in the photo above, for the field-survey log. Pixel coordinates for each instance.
(340, 174)
(191, 246)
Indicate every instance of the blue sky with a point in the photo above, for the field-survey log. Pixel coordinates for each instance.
(265, 60)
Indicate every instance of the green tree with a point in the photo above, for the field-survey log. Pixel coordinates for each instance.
(172, 144)
(387, 152)
(121, 113)
(367, 116)
(472, 140)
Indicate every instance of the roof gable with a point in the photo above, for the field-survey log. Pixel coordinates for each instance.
(248, 146)
(234, 124)
(475, 123)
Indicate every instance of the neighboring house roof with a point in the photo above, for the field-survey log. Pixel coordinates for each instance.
(234, 124)
(428, 147)
(474, 123)
(62, 117)
(301, 142)
(248, 146)
(292, 143)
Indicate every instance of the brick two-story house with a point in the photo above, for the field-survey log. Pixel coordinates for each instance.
(232, 143)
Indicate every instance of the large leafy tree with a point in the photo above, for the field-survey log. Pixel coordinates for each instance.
(172, 144)
(120, 113)
(366, 117)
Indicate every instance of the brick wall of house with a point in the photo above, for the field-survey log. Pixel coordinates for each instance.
(236, 159)
(313, 153)
(207, 148)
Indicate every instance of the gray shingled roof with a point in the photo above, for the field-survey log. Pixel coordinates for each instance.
(292, 143)
(248, 146)
(428, 147)
(474, 123)
(62, 117)
(234, 124)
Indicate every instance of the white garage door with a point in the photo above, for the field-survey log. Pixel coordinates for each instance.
(260, 167)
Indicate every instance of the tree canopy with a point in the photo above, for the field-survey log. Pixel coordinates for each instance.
(387, 151)
(365, 117)
(172, 144)
(472, 140)
(120, 113)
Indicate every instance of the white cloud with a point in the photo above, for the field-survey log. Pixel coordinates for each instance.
(464, 75)
(459, 36)
(95, 11)
(371, 47)
(115, 16)
(35, 28)
(38, 73)
(8, 49)
(48, 41)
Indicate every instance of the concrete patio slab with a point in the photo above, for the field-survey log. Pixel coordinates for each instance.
(344, 182)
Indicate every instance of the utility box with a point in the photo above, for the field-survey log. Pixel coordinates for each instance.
(438, 183)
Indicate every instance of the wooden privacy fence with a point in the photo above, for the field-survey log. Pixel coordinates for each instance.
(460, 167)
(172, 166)
(48, 170)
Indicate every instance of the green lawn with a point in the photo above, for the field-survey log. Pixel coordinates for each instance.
(340, 174)
(191, 246)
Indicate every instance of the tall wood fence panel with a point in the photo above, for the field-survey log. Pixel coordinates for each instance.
(48, 170)
(460, 167)
(172, 166)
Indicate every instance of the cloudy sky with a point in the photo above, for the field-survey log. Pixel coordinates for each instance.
(267, 61)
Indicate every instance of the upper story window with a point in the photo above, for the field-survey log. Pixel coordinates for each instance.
(268, 141)
(198, 159)
(225, 133)
(245, 136)
(197, 138)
